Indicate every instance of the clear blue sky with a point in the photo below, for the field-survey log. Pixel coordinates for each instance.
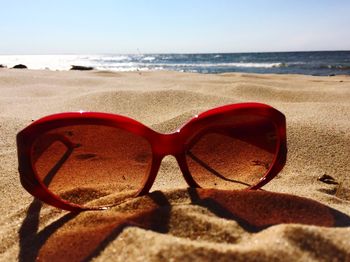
(162, 26)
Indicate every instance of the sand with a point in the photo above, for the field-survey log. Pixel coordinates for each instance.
(297, 217)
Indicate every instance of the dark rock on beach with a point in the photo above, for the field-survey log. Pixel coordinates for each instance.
(20, 66)
(82, 68)
(2, 66)
(327, 179)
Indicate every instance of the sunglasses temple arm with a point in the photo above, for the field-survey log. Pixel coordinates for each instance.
(211, 170)
(50, 175)
(51, 138)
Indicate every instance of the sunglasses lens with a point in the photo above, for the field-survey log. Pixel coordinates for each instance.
(91, 165)
(235, 153)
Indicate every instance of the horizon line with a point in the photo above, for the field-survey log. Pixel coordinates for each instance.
(175, 53)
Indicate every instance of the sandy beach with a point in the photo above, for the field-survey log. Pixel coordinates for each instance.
(296, 217)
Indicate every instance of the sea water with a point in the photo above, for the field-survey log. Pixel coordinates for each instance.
(308, 63)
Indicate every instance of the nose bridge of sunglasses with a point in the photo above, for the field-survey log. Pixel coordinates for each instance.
(168, 144)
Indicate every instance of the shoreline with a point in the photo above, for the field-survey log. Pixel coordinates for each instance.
(94, 70)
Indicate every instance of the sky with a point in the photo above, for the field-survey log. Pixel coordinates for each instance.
(172, 26)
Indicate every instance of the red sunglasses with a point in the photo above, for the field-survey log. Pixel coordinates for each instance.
(85, 161)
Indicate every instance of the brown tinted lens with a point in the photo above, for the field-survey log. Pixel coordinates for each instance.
(235, 153)
(91, 165)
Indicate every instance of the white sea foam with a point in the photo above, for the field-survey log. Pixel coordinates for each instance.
(148, 58)
(255, 65)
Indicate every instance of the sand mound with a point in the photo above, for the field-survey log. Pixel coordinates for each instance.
(298, 218)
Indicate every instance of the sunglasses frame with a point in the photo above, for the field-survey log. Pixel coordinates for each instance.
(162, 144)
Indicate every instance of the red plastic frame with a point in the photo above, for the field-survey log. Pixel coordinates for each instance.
(162, 144)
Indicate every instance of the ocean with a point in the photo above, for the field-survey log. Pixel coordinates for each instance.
(321, 63)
